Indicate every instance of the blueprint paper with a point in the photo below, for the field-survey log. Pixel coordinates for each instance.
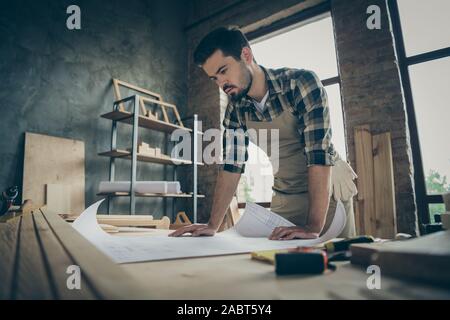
(250, 234)
(259, 222)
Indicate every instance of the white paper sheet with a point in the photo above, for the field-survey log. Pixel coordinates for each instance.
(255, 224)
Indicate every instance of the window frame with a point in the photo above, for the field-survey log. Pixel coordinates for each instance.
(423, 199)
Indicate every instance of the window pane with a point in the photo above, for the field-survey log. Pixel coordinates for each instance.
(435, 208)
(337, 119)
(430, 83)
(257, 181)
(425, 25)
(308, 47)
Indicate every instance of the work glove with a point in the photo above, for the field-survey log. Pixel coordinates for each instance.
(342, 176)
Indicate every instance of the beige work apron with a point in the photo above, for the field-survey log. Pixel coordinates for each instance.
(290, 189)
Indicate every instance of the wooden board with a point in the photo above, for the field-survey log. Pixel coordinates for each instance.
(365, 217)
(108, 279)
(58, 197)
(426, 258)
(36, 250)
(145, 122)
(32, 280)
(58, 261)
(8, 247)
(124, 154)
(384, 189)
(52, 160)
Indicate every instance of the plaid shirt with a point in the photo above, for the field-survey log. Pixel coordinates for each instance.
(307, 100)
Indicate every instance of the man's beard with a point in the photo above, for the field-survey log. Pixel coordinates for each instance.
(239, 95)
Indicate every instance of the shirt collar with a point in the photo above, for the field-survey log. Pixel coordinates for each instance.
(273, 82)
(274, 85)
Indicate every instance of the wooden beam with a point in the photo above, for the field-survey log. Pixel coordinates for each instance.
(384, 189)
(365, 217)
(58, 261)
(32, 281)
(107, 279)
(9, 234)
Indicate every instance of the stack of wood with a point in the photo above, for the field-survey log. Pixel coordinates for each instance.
(375, 211)
(146, 150)
(113, 222)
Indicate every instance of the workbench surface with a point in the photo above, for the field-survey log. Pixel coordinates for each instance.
(240, 277)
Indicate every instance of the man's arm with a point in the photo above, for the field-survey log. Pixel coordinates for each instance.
(226, 185)
(319, 197)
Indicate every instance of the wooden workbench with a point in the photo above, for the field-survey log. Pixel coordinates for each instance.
(240, 277)
(37, 247)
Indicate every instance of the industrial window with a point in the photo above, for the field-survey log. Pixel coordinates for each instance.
(422, 40)
(307, 44)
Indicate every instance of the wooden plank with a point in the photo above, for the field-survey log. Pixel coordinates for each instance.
(163, 108)
(109, 280)
(117, 94)
(51, 160)
(164, 112)
(156, 195)
(126, 221)
(177, 115)
(144, 122)
(58, 197)
(9, 232)
(136, 88)
(364, 168)
(58, 261)
(32, 280)
(143, 109)
(384, 189)
(426, 258)
(118, 153)
(158, 102)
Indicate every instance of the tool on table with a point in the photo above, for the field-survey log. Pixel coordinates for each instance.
(309, 260)
(7, 199)
(344, 245)
(302, 261)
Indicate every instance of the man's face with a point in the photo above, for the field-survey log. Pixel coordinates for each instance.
(232, 76)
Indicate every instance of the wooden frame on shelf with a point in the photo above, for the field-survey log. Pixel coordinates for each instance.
(116, 85)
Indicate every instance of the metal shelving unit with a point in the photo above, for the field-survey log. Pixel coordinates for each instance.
(136, 120)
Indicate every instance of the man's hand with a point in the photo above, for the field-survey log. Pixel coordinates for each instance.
(290, 233)
(196, 230)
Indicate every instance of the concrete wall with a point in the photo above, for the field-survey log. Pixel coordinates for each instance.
(371, 86)
(57, 82)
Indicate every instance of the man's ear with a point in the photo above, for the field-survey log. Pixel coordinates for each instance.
(247, 55)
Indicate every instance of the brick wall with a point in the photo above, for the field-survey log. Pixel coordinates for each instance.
(372, 93)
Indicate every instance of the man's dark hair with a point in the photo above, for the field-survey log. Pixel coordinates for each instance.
(230, 40)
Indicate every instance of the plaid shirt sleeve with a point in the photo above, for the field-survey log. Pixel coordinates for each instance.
(310, 100)
(235, 142)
